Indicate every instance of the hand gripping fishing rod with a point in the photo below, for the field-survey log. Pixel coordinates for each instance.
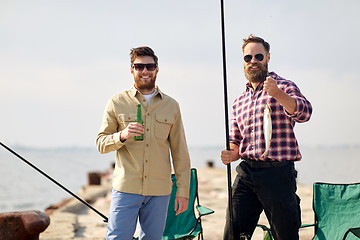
(230, 205)
(57, 183)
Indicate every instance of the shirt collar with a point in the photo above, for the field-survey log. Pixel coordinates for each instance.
(133, 91)
(249, 87)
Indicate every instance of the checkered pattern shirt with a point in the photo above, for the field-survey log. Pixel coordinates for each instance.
(247, 122)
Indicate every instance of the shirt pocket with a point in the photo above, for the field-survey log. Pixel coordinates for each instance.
(163, 125)
(125, 120)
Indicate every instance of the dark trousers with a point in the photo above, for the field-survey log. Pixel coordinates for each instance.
(269, 188)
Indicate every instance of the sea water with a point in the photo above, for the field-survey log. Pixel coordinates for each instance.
(23, 188)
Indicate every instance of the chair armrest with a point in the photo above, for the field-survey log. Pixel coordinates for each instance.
(263, 227)
(308, 225)
(268, 235)
(203, 210)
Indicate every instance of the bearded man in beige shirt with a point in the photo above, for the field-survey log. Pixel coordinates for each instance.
(142, 176)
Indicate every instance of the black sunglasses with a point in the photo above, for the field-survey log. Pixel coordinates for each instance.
(259, 57)
(141, 66)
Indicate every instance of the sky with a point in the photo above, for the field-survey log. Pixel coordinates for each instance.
(61, 61)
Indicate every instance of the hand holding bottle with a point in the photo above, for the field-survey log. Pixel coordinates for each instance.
(132, 130)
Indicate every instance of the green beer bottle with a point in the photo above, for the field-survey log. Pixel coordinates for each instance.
(139, 120)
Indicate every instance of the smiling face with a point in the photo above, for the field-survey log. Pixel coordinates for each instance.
(256, 70)
(145, 79)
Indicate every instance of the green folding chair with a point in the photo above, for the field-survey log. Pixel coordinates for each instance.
(337, 212)
(186, 225)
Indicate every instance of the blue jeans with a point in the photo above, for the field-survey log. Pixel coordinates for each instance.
(127, 208)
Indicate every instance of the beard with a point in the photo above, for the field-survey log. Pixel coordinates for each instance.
(257, 75)
(145, 85)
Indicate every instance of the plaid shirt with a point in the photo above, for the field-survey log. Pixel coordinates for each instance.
(247, 122)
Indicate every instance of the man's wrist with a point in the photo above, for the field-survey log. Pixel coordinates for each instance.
(121, 139)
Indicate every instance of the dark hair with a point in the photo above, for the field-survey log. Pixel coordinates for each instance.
(142, 51)
(255, 39)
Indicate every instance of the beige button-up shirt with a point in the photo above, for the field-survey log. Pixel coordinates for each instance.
(144, 167)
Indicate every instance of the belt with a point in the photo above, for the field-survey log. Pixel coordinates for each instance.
(265, 164)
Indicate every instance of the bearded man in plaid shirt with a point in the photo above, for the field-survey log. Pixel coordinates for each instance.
(265, 181)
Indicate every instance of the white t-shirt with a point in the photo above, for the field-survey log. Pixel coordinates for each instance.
(149, 96)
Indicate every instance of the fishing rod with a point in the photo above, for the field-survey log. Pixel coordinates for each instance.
(54, 181)
(231, 229)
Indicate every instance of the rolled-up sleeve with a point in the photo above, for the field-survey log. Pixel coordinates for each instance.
(303, 106)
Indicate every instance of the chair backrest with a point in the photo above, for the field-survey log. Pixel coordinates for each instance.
(183, 224)
(337, 208)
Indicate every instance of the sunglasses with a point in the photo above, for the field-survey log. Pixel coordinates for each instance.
(259, 57)
(141, 66)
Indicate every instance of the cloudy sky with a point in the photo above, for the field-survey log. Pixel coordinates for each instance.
(60, 62)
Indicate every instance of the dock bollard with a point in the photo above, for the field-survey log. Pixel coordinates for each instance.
(210, 164)
(94, 178)
(25, 225)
